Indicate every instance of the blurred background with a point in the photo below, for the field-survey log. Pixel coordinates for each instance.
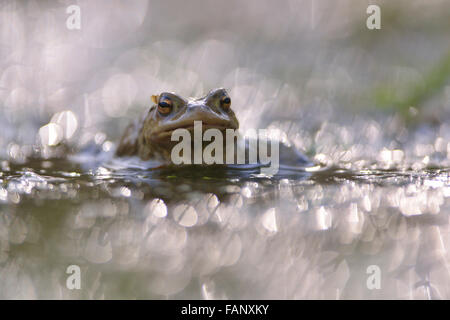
(373, 104)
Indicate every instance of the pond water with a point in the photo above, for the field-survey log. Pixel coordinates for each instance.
(379, 198)
(226, 233)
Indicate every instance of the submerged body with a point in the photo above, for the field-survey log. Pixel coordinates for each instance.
(151, 138)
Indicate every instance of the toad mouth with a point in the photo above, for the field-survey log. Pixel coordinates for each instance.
(167, 132)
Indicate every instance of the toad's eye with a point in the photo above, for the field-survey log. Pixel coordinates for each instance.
(225, 103)
(165, 106)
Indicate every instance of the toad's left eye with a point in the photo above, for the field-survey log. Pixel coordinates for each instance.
(225, 103)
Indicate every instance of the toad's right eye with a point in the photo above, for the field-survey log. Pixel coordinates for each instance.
(165, 106)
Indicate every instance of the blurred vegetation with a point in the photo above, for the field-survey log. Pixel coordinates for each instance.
(416, 93)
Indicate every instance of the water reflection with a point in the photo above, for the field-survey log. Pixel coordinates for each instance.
(292, 233)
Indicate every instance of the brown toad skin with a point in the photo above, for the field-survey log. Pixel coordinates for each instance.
(149, 138)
